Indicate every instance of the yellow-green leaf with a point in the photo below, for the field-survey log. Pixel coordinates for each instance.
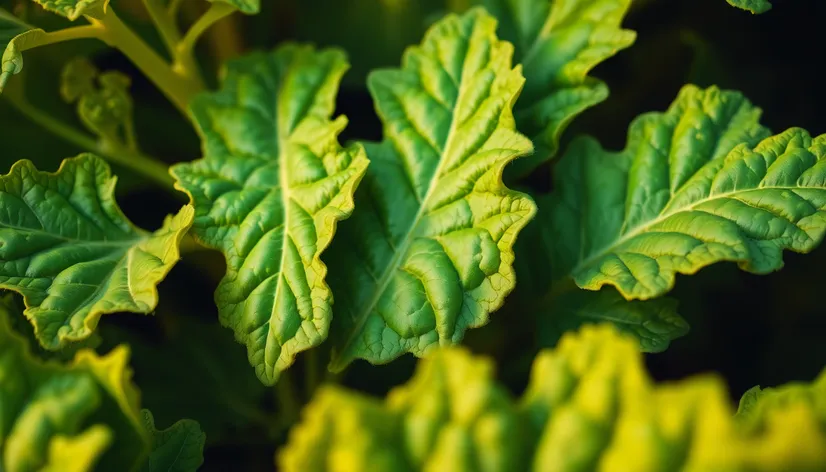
(15, 36)
(179, 448)
(69, 250)
(249, 7)
(589, 406)
(754, 6)
(268, 193)
(74, 9)
(428, 252)
(558, 42)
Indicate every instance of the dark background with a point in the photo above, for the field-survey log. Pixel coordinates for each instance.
(750, 329)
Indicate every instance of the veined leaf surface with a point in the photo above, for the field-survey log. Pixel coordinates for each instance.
(589, 406)
(86, 410)
(69, 250)
(558, 42)
(690, 189)
(268, 193)
(249, 7)
(428, 252)
(179, 448)
(14, 36)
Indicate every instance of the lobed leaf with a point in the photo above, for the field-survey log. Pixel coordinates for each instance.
(754, 6)
(428, 252)
(690, 189)
(179, 448)
(15, 35)
(268, 193)
(558, 42)
(589, 406)
(72, 254)
(86, 410)
(74, 9)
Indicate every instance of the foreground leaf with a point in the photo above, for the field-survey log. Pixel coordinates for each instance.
(86, 410)
(15, 35)
(758, 405)
(268, 193)
(179, 448)
(589, 406)
(690, 189)
(73, 255)
(654, 323)
(74, 9)
(754, 6)
(558, 42)
(428, 252)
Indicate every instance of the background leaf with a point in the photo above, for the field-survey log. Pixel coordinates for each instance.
(179, 448)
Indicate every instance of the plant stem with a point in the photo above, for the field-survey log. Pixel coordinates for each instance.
(174, 8)
(165, 24)
(177, 88)
(66, 34)
(215, 13)
(288, 403)
(147, 166)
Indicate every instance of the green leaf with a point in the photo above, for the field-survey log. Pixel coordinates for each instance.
(15, 35)
(268, 193)
(589, 406)
(103, 101)
(86, 410)
(73, 255)
(249, 7)
(758, 406)
(179, 448)
(428, 253)
(654, 323)
(690, 189)
(74, 9)
(754, 6)
(558, 42)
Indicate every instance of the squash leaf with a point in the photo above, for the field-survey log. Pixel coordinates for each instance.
(558, 42)
(85, 410)
(249, 7)
(72, 254)
(179, 448)
(74, 9)
(268, 193)
(754, 6)
(690, 189)
(15, 35)
(589, 406)
(759, 404)
(428, 251)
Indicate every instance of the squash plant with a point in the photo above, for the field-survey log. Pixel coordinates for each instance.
(339, 251)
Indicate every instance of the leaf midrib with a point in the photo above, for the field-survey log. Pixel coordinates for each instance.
(401, 250)
(605, 250)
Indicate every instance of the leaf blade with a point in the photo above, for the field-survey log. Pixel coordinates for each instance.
(179, 448)
(430, 253)
(73, 255)
(293, 182)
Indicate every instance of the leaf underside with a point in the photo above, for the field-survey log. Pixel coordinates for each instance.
(589, 406)
(69, 250)
(692, 187)
(269, 192)
(428, 251)
(14, 35)
(558, 42)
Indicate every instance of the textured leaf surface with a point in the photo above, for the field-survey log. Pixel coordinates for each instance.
(179, 448)
(690, 189)
(250, 7)
(15, 35)
(589, 406)
(70, 251)
(558, 42)
(268, 193)
(428, 252)
(754, 6)
(86, 410)
(74, 9)
(655, 323)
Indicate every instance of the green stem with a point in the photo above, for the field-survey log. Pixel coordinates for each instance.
(165, 24)
(66, 34)
(216, 12)
(177, 88)
(147, 166)
(289, 406)
(174, 8)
